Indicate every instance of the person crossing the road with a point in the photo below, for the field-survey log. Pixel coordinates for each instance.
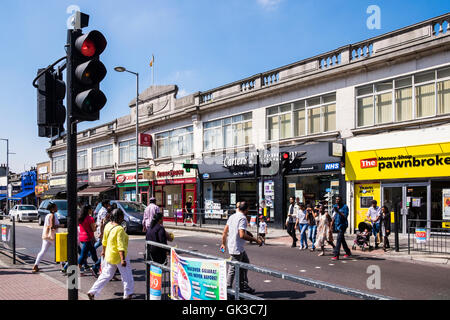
(341, 223)
(51, 225)
(115, 251)
(234, 237)
(291, 219)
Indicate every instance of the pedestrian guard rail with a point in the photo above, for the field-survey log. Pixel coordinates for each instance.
(8, 235)
(426, 236)
(165, 289)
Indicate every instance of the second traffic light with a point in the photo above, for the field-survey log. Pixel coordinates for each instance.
(51, 113)
(87, 71)
(285, 162)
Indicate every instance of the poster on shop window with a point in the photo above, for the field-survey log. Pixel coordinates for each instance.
(197, 279)
(445, 204)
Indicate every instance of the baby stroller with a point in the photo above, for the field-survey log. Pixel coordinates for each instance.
(363, 240)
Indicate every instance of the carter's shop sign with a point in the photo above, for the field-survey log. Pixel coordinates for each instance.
(423, 161)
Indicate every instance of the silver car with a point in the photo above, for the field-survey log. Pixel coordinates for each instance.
(22, 212)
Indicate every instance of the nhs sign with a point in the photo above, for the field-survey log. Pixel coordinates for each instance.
(332, 166)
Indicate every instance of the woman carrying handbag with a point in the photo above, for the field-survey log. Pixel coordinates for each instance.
(51, 225)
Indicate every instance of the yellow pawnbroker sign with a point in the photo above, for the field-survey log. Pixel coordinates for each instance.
(423, 161)
(446, 225)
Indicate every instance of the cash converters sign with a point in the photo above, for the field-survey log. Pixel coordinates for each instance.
(423, 161)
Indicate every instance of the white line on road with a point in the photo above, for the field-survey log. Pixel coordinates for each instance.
(318, 267)
(302, 270)
(267, 281)
(331, 264)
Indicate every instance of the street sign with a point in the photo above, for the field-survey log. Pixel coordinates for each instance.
(10, 188)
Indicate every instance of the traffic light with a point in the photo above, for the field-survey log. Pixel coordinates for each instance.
(285, 162)
(51, 113)
(87, 73)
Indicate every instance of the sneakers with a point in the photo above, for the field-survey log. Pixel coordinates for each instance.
(347, 255)
(35, 269)
(321, 254)
(335, 258)
(91, 296)
(94, 272)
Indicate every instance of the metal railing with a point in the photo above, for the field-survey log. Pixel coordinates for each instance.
(436, 240)
(201, 215)
(8, 235)
(250, 267)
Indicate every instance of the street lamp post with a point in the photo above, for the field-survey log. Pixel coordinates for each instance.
(122, 69)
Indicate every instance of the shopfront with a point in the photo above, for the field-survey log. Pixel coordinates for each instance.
(227, 180)
(318, 178)
(126, 184)
(42, 185)
(100, 186)
(173, 188)
(413, 182)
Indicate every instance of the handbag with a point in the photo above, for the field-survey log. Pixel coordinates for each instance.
(48, 234)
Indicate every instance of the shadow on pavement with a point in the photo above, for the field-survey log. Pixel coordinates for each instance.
(284, 294)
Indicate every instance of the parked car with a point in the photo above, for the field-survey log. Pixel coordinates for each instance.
(23, 212)
(133, 212)
(61, 214)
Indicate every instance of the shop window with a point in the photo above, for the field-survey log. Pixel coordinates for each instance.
(228, 132)
(421, 95)
(425, 100)
(59, 164)
(403, 99)
(82, 160)
(102, 156)
(174, 143)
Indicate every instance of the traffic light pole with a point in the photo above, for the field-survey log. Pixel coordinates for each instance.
(71, 174)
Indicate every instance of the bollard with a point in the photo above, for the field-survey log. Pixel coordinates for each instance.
(236, 283)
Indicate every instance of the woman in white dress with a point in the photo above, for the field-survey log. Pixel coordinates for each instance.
(51, 225)
(324, 230)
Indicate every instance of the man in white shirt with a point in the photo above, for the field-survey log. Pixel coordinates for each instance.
(291, 220)
(234, 237)
(373, 215)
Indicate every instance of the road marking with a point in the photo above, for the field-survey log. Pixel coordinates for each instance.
(344, 261)
(267, 281)
(318, 267)
(331, 264)
(205, 245)
(302, 270)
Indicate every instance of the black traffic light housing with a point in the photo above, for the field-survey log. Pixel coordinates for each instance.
(285, 162)
(87, 73)
(51, 113)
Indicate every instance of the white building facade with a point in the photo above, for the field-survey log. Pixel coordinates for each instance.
(389, 92)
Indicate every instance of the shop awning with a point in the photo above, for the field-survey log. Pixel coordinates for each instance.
(54, 191)
(21, 195)
(94, 191)
(2, 197)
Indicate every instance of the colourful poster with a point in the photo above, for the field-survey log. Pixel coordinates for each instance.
(197, 279)
(364, 194)
(421, 235)
(5, 233)
(155, 283)
(446, 204)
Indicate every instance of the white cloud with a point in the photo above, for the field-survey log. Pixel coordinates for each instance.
(269, 4)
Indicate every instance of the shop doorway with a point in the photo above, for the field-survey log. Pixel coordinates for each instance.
(408, 201)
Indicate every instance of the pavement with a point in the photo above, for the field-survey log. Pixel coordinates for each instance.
(18, 282)
(280, 237)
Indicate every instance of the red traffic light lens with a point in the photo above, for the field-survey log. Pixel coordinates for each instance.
(88, 48)
(285, 155)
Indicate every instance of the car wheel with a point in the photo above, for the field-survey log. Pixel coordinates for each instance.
(41, 223)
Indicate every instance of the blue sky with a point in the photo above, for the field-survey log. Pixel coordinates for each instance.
(198, 45)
